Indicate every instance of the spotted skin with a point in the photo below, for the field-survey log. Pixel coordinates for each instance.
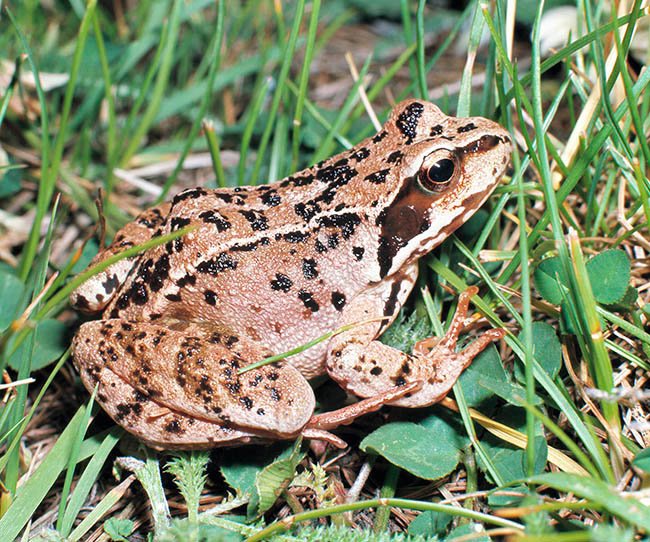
(272, 267)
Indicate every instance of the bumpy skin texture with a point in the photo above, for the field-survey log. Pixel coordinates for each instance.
(271, 267)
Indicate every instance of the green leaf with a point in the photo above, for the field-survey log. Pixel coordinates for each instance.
(51, 342)
(628, 509)
(607, 533)
(471, 531)
(512, 393)
(11, 294)
(118, 529)
(471, 229)
(414, 448)
(546, 349)
(10, 175)
(627, 303)
(274, 478)
(241, 466)
(87, 254)
(31, 494)
(642, 460)
(609, 274)
(430, 522)
(487, 363)
(546, 277)
(510, 461)
(181, 530)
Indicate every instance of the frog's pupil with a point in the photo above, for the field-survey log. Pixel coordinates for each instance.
(441, 171)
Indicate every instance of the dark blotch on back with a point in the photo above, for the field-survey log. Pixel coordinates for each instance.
(346, 222)
(256, 218)
(178, 223)
(296, 236)
(338, 300)
(378, 177)
(216, 265)
(309, 268)
(483, 144)
(281, 282)
(249, 247)
(395, 157)
(360, 154)
(307, 210)
(216, 218)
(160, 273)
(190, 193)
(270, 198)
(467, 128)
(407, 121)
(308, 299)
(210, 297)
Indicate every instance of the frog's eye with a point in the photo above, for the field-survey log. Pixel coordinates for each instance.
(439, 170)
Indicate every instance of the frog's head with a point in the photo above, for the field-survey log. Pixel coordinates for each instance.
(447, 169)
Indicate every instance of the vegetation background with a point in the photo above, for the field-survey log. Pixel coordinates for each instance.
(544, 438)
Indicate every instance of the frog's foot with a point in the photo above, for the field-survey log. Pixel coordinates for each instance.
(157, 378)
(367, 367)
(318, 426)
(445, 346)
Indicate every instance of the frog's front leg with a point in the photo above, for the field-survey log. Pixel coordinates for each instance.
(94, 294)
(188, 373)
(367, 367)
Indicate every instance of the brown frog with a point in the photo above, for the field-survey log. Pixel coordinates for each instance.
(271, 267)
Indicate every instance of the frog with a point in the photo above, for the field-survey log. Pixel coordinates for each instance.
(267, 268)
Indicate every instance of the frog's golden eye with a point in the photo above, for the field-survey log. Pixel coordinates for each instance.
(439, 171)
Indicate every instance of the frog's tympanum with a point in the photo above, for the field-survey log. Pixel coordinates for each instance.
(271, 267)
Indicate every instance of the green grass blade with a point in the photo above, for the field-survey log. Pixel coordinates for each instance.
(160, 86)
(87, 480)
(215, 54)
(302, 81)
(279, 90)
(627, 509)
(32, 493)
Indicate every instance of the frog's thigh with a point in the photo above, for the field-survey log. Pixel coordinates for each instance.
(94, 294)
(192, 369)
(158, 426)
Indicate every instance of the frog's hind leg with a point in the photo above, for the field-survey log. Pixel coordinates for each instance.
(192, 370)
(160, 427)
(94, 294)
(367, 367)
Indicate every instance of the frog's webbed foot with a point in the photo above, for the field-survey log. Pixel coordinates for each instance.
(442, 350)
(164, 380)
(367, 367)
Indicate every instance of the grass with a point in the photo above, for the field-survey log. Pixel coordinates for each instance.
(538, 441)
